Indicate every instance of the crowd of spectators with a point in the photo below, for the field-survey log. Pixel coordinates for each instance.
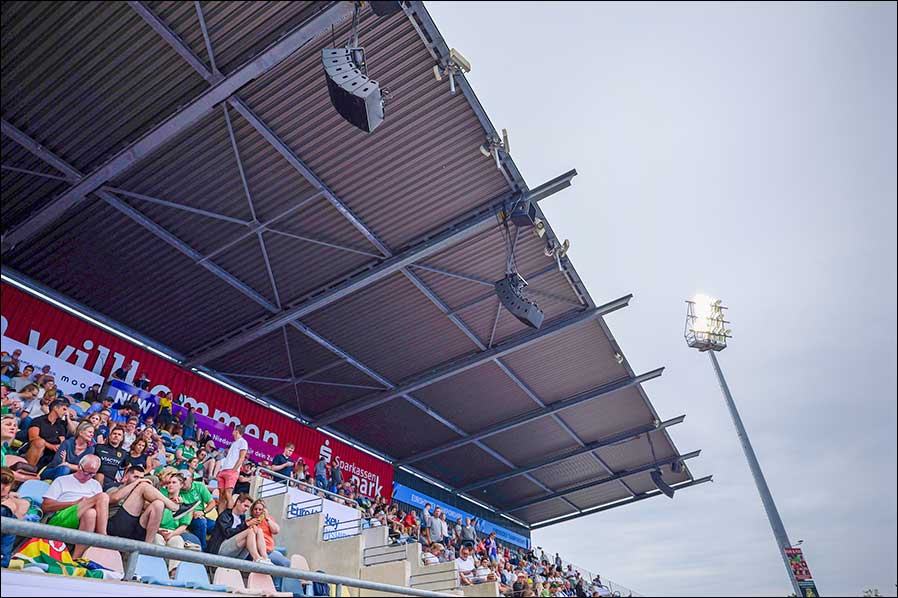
(162, 480)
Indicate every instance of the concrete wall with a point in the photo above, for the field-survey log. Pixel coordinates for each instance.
(490, 588)
(395, 573)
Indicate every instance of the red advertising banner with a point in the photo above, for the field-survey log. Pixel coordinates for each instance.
(29, 320)
(799, 567)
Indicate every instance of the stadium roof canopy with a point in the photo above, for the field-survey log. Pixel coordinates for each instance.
(182, 172)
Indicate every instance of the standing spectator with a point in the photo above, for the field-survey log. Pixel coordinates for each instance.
(112, 457)
(165, 415)
(122, 372)
(321, 473)
(143, 382)
(300, 472)
(236, 537)
(336, 478)
(491, 546)
(283, 464)
(468, 533)
(190, 423)
(425, 524)
(77, 501)
(46, 433)
(43, 375)
(93, 395)
(436, 526)
(230, 467)
(70, 453)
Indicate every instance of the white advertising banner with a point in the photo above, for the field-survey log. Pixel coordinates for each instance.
(69, 377)
(340, 521)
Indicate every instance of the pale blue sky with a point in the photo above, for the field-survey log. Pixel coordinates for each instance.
(746, 151)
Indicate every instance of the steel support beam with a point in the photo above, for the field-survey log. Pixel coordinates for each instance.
(464, 364)
(179, 122)
(621, 503)
(520, 420)
(621, 474)
(586, 448)
(468, 228)
(72, 174)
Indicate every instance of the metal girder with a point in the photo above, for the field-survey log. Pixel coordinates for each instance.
(464, 364)
(43, 175)
(520, 420)
(621, 474)
(468, 228)
(179, 122)
(626, 501)
(324, 243)
(136, 215)
(587, 448)
(174, 205)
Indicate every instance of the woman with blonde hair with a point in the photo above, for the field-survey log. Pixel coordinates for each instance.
(68, 457)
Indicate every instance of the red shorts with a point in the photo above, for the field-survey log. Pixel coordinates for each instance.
(227, 478)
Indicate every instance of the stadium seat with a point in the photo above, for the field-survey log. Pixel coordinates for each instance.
(304, 588)
(195, 577)
(262, 582)
(110, 559)
(34, 489)
(230, 578)
(152, 570)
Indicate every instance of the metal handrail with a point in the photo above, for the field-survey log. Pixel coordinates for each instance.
(314, 489)
(8, 525)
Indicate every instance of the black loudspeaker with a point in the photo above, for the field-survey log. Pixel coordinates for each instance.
(524, 213)
(356, 97)
(385, 9)
(511, 293)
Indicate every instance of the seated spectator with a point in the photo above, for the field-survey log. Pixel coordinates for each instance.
(431, 556)
(136, 507)
(185, 452)
(112, 457)
(244, 478)
(130, 431)
(465, 565)
(270, 528)
(193, 490)
(236, 537)
(482, 573)
(9, 428)
(11, 505)
(70, 453)
(171, 527)
(23, 379)
(155, 450)
(137, 455)
(77, 501)
(46, 433)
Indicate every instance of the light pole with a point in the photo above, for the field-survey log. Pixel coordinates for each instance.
(706, 331)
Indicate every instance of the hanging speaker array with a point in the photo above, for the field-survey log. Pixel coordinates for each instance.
(356, 98)
(511, 293)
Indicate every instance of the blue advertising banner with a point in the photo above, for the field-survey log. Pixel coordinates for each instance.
(416, 499)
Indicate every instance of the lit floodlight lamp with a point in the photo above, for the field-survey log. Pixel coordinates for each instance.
(661, 485)
(705, 324)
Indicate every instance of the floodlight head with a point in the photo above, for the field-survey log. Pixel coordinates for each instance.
(661, 484)
(705, 324)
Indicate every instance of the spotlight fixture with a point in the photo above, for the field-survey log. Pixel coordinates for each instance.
(385, 9)
(659, 482)
(511, 293)
(454, 65)
(676, 467)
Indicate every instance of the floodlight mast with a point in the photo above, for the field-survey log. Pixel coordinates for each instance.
(706, 331)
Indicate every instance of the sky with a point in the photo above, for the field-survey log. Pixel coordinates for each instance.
(747, 152)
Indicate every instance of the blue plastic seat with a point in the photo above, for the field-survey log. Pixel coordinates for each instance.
(35, 490)
(195, 577)
(152, 570)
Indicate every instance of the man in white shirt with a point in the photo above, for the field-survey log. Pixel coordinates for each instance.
(78, 501)
(465, 565)
(230, 467)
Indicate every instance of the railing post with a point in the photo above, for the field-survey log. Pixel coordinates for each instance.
(338, 591)
(132, 565)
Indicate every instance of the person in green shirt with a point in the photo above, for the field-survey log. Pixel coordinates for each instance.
(194, 489)
(171, 529)
(185, 453)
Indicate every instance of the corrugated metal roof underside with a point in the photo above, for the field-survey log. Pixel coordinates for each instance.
(86, 79)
